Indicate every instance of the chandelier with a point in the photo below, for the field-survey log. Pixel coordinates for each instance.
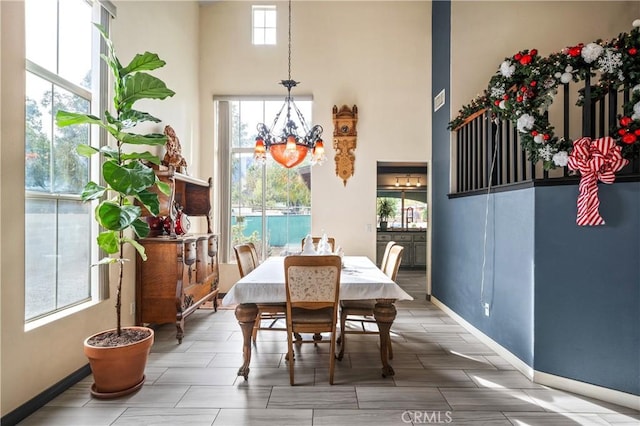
(289, 147)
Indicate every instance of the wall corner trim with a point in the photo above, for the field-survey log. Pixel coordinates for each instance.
(557, 382)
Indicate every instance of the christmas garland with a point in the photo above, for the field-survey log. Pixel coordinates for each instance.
(525, 84)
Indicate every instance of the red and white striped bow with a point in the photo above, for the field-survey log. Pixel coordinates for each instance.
(596, 160)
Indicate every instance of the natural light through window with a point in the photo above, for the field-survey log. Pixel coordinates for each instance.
(59, 247)
(264, 25)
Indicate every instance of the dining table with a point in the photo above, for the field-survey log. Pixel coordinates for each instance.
(360, 279)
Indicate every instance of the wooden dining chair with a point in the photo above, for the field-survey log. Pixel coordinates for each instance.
(312, 285)
(247, 262)
(361, 311)
(316, 240)
(254, 253)
(385, 256)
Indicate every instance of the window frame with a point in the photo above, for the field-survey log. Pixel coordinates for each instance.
(223, 138)
(261, 27)
(102, 12)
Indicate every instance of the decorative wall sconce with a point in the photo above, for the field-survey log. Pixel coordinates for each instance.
(344, 140)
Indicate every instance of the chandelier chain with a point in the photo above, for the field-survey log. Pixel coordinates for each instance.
(289, 40)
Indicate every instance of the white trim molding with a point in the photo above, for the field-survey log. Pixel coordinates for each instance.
(592, 391)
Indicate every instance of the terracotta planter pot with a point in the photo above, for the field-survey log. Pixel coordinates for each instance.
(119, 370)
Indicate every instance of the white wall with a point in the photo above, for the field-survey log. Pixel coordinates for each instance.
(483, 33)
(32, 361)
(374, 54)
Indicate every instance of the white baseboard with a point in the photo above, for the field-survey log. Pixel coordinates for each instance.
(558, 382)
(587, 389)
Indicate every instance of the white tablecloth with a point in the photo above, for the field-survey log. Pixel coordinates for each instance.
(360, 279)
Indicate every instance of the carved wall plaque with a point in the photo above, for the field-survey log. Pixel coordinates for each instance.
(345, 140)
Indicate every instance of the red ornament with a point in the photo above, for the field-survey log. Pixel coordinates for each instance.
(636, 132)
(633, 51)
(519, 98)
(496, 102)
(505, 97)
(517, 56)
(533, 52)
(629, 138)
(546, 137)
(575, 50)
(622, 131)
(534, 133)
(533, 83)
(523, 89)
(525, 60)
(625, 121)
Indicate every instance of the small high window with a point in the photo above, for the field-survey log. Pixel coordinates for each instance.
(264, 24)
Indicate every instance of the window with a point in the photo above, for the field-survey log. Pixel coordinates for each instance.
(268, 205)
(61, 50)
(264, 24)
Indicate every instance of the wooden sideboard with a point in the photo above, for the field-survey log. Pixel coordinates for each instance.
(181, 271)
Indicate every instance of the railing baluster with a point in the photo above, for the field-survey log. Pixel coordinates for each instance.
(566, 118)
(504, 131)
(586, 108)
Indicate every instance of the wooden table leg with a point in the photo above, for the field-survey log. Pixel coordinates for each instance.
(384, 313)
(246, 314)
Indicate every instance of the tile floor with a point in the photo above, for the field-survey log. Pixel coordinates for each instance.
(443, 375)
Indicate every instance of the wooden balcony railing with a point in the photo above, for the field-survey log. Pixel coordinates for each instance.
(488, 155)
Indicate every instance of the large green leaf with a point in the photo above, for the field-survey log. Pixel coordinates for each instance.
(132, 117)
(143, 62)
(128, 179)
(152, 139)
(147, 156)
(164, 187)
(139, 247)
(92, 191)
(150, 201)
(114, 217)
(141, 86)
(109, 152)
(108, 241)
(66, 118)
(141, 228)
(86, 150)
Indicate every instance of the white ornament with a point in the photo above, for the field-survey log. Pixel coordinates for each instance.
(502, 104)
(566, 77)
(507, 69)
(525, 122)
(610, 61)
(558, 74)
(591, 52)
(546, 152)
(636, 23)
(561, 158)
(538, 138)
(569, 68)
(636, 88)
(636, 112)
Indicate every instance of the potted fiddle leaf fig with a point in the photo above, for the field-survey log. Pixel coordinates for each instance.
(129, 183)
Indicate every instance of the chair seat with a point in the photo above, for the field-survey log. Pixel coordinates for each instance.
(312, 316)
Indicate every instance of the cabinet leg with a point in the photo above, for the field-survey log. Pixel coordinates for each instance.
(180, 330)
(246, 315)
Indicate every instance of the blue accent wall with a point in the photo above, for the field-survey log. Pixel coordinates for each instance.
(587, 288)
(564, 299)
